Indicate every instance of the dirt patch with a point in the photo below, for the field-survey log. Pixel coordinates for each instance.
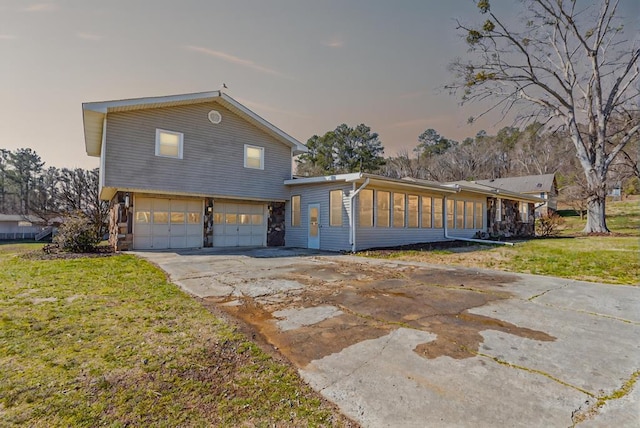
(377, 299)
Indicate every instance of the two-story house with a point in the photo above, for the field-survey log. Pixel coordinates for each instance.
(201, 170)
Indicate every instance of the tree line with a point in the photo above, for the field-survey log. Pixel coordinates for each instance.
(27, 187)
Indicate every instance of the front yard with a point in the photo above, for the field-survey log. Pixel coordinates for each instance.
(611, 259)
(108, 341)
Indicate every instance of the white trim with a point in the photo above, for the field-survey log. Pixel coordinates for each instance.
(261, 149)
(180, 136)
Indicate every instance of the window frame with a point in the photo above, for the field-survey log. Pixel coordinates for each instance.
(478, 215)
(335, 212)
(180, 136)
(361, 207)
(437, 208)
(246, 157)
(426, 220)
(378, 211)
(413, 214)
(295, 210)
(400, 210)
(469, 219)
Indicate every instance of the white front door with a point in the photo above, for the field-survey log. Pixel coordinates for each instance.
(313, 240)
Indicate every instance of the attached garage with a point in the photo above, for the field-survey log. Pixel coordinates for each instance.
(239, 224)
(161, 223)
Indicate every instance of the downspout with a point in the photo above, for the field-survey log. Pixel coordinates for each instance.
(456, 238)
(352, 219)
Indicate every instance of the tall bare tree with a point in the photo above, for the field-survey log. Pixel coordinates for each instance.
(569, 64)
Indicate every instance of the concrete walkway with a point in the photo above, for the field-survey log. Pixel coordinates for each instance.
(414, 345)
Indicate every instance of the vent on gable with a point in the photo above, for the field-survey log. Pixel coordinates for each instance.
(214, 117)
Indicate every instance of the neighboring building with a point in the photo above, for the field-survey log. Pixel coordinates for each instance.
(201, 170)
(18, 226)
(544, 186)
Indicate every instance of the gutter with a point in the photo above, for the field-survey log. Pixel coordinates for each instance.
(457, 238)
(352, 219)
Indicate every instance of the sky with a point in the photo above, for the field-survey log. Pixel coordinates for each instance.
(305, 66)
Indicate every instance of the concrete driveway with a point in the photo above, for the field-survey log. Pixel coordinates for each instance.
(415, 345)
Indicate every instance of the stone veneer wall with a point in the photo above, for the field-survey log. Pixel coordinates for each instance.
(276, 226)
(120, 223)
(511, 225)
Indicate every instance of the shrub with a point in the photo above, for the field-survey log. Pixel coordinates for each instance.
(548, 224)
(76, 235)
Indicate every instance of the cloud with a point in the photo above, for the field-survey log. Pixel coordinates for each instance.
(89, 36)
(41, 7)
(7, 37)
(334, 43)
(264, 107)
(235, 60)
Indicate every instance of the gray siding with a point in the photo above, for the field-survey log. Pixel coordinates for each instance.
(213, 155)
(331, 238)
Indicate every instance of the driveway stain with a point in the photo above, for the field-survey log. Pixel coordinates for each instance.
(373, 300)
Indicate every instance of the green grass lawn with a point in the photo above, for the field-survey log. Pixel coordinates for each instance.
(612, 259)
(108, 341)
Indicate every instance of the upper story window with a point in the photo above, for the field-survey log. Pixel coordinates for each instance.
(253, 157)
(169, 143)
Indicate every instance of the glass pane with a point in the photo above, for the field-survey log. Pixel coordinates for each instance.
(450, 212)
(459, 214)
(382, 209)
(426, 212)
(177, 218)
(169, 139)
(253, 157)
(194, 218)
(412, 217)
(244, 219)
(398, 210)
(365, 206)
(313, 221)
(335, 208)
(479, 223)
(217, 218)
(256, 219)
(468, 215)
(143, 216)
(437, 213)
(161, 217)
(231, 218)
(295, 210)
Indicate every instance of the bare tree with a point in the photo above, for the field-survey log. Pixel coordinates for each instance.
(570, 65)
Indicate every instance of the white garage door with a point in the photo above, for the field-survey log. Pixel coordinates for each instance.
(239, 225)
(167, 223)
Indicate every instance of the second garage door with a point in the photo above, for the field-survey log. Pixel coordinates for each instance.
(239, 224)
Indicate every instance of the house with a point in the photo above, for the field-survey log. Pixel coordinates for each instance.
(202, 170)
(544, 186)
(19, 226)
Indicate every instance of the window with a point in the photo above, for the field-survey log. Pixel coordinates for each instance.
(382, 209)
(450, 213)
(253, 157)
(256, 219)
(335, 208)
(365, 207)
(412, 215)
(398, 210)
(160, 217)
(295, 210)
(459, 214)
(498, 209)
(193, 218)
(437, 213)
(177, 218)
(143, 216)
(479, 222)
(468, 215)
(169, 144)
(426, 211)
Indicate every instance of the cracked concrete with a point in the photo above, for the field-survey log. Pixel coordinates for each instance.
(413, 344)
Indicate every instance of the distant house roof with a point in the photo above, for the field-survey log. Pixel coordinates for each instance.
(94, 114)
(525, 184)
(20, 217)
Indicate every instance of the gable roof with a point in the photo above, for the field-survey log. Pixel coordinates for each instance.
(525, 184)
(94, 113)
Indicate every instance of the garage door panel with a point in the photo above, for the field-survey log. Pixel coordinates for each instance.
(238, 224)
(167, 223)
